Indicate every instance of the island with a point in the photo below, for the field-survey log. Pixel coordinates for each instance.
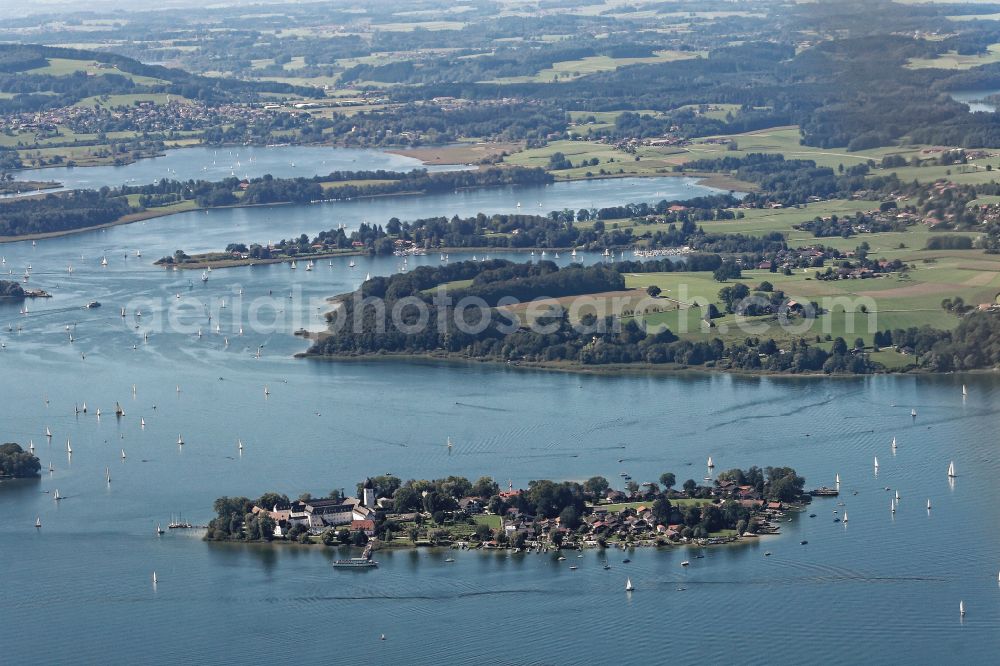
(16, 463)
(588, 319)
(386, 512)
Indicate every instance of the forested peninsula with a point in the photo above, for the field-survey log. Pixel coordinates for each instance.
(592, 341)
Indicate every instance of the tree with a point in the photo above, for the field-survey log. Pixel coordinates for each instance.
(485, 487)
(653, 291)
(668, 480)
(271, 500)
(569, 518)
(16, 462)
(359, 538)
(662, 510)
(406, 499)
(596, 486)
(483, 532)
(690, 485)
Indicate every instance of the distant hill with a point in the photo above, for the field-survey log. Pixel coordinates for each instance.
(36, 77)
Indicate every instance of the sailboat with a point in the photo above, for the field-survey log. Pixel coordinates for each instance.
(57, 496)
(50, 468)
(31, 446)
(38, 522)
(351, 264)
(711, 465)
(267, 391)
(98, 412)
(204, 276)
(838, 479)
(893, 443)
(961, 608)
(951, 470)
(119, 412)
(48, 433)
(897, 496)
(628, 585)
(449, 445)
(913, 413)
(154, 578)
(239, 444)
(107, 474)
(123, 454)
(104, 261)
(892, 505)
(69, 449)
(159, 530)
(292, 265)
(928, 503)
(180, 440)
(123, 313)
(876, 463)
(573, 253)
(368, 276)
(142, 422)
(964, 392)
(844, 519)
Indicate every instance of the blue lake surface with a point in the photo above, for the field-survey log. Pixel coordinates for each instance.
(886, 588)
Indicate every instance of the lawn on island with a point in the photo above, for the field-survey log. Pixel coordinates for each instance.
(894, 301)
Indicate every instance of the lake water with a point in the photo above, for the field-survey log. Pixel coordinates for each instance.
(886, 588)
(208, 163)
(976, 100)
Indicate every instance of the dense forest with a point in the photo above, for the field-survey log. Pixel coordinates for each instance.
(60, 212)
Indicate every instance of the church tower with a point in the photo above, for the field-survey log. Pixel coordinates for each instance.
(368, 498)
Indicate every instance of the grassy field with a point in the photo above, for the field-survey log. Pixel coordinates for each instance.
(66, 66)
(568, 70)
(952, 60)
(108, 101)
(613, 161)
(890, 302)
(681, 502)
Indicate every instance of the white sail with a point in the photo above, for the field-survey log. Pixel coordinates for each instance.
(180, 440)
(123, 454)
(961, 608)
(876, 462)
(964, 391)
(69, 449)
(38, 521)
(928, 504)
(628, 585)
(845, 516)
(893, 442)
(951, 469)
(838, 479)
(710, 463)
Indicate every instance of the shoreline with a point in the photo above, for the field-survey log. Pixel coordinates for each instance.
(618, 369)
